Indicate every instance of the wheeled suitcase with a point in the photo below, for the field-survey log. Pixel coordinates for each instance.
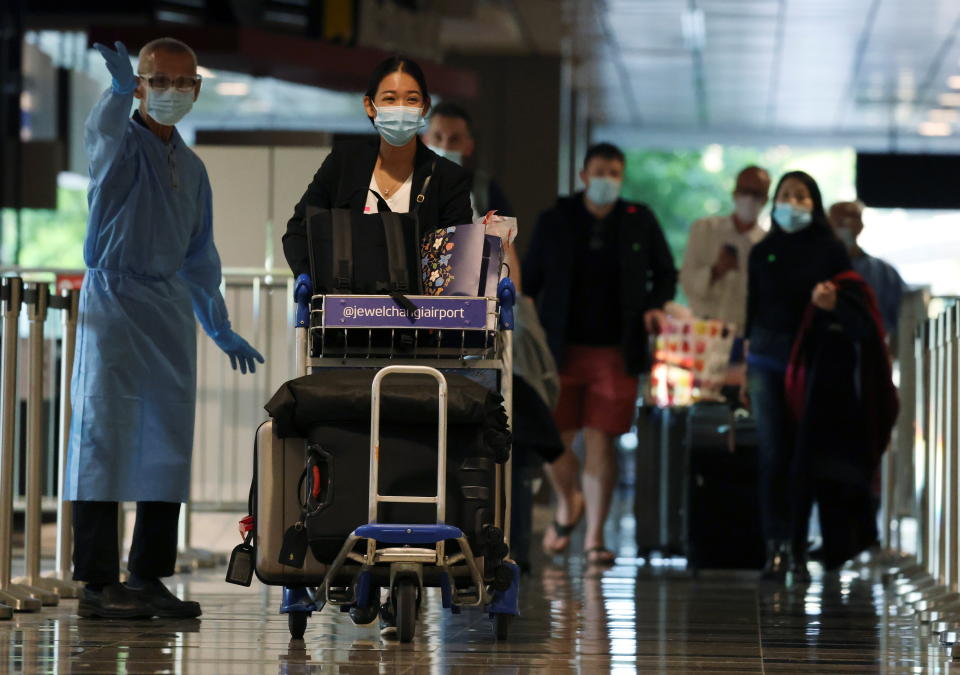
(332, 410)
(275, 505)
(661, 478)
(723, 528)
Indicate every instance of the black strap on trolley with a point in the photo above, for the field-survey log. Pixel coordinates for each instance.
(342, 250)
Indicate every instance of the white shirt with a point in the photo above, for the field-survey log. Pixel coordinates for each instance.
(399, 201)
(726, 298)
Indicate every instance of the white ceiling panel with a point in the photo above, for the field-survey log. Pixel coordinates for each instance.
(823, 67)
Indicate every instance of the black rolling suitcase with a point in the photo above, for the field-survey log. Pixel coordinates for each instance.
(661, 477)
(723, 525)
(331, 410)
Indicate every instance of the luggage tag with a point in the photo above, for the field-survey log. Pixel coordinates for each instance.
(293, 552)
(240, 567)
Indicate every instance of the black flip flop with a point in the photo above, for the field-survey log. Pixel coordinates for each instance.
(562, 531)
(605, 562)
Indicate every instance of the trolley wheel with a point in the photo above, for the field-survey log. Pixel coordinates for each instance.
(502, 625)
(406, 612)
(297, 623)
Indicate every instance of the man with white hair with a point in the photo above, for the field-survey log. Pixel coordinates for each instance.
(152, 265)
(846, 218)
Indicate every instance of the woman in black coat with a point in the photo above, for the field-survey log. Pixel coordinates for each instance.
(397, 173)
(389, 173)
(790, 268)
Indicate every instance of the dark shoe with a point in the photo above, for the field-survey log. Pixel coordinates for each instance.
(165, 604)
(388, 622)
(114, 601)
(364, 616)
(778, 561)
(799, 574)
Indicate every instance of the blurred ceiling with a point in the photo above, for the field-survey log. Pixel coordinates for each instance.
(875, 74)
(872, 73)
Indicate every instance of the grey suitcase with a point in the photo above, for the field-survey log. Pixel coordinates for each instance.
(279, 464)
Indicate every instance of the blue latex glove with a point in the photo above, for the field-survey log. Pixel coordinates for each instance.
(302, 293)
(239, 351)
(118, 63)
(507, 294)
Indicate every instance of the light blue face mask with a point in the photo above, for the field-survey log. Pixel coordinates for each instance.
(454, 156)
(398, 124)
(603, 191)
(790, 218)
(170, 106)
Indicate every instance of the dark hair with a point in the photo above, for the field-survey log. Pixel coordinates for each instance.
(451, 109)
(395, 64)
(604, 151)
(818, 216)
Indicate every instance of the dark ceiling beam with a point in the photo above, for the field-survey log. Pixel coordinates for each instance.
(286, 57)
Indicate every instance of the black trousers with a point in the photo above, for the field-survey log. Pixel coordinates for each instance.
(96, 546)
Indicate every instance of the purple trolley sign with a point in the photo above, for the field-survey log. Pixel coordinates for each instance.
(380, 311)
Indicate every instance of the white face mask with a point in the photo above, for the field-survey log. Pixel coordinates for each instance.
(170, 106)
(747, 209)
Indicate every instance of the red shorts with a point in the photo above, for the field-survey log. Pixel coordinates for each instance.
(595, 391)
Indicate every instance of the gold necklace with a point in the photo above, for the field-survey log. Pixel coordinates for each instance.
(387, 192)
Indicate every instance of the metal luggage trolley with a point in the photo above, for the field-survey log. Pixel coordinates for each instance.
(445, 333)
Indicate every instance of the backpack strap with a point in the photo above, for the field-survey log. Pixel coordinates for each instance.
(342, 235)
(312, 212)
(397, 260)
(396, 256)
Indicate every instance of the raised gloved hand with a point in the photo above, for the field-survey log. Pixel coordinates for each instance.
(239, 351)
(118, 63)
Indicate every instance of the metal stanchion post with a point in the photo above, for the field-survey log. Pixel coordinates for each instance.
(20, 598)
(37, 299)
(920, 440)
(943, 410)
(952, 446)
(933, 498)
(69, 305)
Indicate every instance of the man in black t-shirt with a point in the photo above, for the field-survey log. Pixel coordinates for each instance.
(601, 272)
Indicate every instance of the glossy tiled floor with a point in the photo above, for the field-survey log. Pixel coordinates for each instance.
(637, 617)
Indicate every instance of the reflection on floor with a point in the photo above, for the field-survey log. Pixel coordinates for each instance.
(636, 617)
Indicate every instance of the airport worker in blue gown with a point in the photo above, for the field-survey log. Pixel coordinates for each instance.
(152, 267)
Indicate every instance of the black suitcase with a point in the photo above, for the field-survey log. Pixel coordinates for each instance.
(661, 471)
(723, 527)
(331, 410)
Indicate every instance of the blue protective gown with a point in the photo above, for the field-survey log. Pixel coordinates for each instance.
(152, 265)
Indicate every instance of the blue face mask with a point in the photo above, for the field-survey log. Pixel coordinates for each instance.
(790, 218)
(603, 191)
(170, 106)
(454, 156)
(398, 124)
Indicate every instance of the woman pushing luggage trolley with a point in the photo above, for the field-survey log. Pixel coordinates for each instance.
(409, 397)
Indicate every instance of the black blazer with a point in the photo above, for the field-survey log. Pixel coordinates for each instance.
(648, 276)
(343, 180)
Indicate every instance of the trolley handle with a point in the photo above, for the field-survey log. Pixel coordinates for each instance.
(375, 400)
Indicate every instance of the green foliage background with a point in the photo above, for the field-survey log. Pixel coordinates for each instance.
(684, 185)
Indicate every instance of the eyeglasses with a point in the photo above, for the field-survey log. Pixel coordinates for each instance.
(162, 82)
